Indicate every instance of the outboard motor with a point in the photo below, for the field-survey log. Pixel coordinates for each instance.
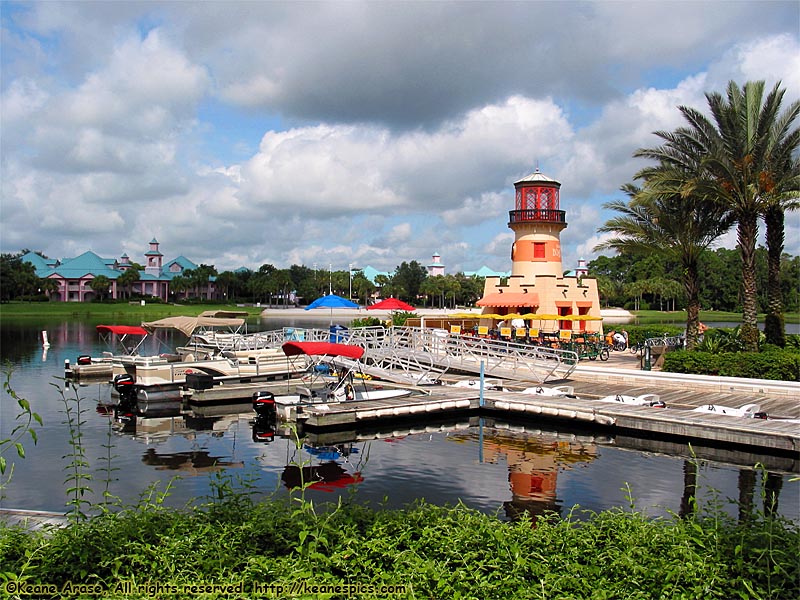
(264, 405)
(263, 431)
(266, 417)
(125, 411)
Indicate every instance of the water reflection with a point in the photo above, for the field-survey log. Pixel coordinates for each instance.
(490, 465)
(533, 467)
(191, 463)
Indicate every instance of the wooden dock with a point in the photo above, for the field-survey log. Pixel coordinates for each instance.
(32, 520)
(677, 421)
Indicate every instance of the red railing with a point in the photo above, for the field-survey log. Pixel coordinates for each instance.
(537, 214)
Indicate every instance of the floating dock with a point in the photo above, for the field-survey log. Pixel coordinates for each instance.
(677, 421)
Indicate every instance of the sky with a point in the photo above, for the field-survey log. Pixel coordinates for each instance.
(338, 134)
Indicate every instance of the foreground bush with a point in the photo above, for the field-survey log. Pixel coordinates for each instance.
(435, 552)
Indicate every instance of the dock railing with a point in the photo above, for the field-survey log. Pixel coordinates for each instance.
(436, 350)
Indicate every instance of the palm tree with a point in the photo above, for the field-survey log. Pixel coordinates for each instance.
(100, 285)
(781, 189)
(657, 218)
(729, 158)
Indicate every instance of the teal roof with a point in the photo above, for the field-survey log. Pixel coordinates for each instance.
(485, 271)
(184, 263)
(43, 266)
(87, 263)
(371, 273)
(90, 263)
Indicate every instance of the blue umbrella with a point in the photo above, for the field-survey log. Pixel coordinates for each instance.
(331, 301)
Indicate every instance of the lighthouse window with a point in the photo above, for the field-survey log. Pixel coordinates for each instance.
(547, 199)
(519, 200)
(530, 199)
(538, 250)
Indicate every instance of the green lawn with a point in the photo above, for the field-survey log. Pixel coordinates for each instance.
(107, 311)
(710, 316)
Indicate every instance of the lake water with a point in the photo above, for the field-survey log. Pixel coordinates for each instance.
(491, 466)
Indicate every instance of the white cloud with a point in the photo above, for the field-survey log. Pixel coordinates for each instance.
(385, 156)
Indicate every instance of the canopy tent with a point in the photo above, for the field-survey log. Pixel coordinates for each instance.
(392, 304)
(188, 325)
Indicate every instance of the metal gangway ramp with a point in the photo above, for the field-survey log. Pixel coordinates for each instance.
(428, 353)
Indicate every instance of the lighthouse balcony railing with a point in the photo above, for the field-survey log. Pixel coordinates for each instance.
(537, 215)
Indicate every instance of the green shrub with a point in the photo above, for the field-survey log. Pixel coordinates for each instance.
(774, 363)
(437, 552)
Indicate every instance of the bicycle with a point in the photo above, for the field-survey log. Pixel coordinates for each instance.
(636, 348)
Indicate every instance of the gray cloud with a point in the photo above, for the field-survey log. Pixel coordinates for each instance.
(405, 125)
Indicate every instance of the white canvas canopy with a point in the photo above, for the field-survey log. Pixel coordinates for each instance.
(188, 325)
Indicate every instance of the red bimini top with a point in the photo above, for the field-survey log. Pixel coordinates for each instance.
(322, 349)
(121, 329)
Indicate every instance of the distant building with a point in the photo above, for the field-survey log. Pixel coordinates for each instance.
(485, 271)
(371, 273)
(435, 267)
(74, 275)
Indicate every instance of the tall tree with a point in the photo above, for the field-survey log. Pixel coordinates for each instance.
(658, 218)
(127, 279)
(409, 277)
(780, 185)
(728, 158)
(17, 277)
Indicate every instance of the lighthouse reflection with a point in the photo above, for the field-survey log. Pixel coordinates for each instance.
(534, 464)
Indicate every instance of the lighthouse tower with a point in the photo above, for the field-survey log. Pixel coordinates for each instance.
(537, 284)
(537, 223)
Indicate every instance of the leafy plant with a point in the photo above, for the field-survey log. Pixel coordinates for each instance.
(77, 476)
(26, 417)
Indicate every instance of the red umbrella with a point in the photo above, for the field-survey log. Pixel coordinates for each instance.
(392, 304)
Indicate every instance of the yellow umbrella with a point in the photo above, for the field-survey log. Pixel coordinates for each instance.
(545, 317)
(492, 316)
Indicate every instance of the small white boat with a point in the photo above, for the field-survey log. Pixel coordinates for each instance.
(652, 400)
(749, 411)
(559, 391)
(324, 389)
